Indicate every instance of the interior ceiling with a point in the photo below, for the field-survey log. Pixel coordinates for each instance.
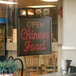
(24, 3)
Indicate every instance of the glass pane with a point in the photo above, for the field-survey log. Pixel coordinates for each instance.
(24, 9)
(2, 40)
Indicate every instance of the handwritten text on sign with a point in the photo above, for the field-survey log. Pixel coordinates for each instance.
(35, 36)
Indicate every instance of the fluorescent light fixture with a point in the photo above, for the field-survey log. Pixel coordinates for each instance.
(7, 2)
(42, 6)
(49, 0)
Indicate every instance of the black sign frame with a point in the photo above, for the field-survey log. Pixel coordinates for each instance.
(18, 38)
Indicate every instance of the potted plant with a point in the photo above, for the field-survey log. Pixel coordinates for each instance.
(7, 68)
(12, 67)
(2, 68)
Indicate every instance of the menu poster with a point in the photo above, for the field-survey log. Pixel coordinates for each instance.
(34, 36)
(30, 12)
(46, 12)
(38, 12)
(23, 12)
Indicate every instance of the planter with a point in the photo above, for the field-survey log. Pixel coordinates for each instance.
(6, 74)
(1, 74)
(11, 74)
(7, 68)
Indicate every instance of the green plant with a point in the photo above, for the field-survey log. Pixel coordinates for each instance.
(12, 67)
(2, 66)
(8, 67)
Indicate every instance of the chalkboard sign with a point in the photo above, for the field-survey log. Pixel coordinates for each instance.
(34, 36)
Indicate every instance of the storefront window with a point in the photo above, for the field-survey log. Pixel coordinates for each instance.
(22, 10)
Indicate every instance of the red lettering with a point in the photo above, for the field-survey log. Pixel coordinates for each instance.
(47, 35)
(44, 36)
(27, 46)
(23, 34)
(33, 47)
(28, 34)
(35, 36)
(42, 46)
(37, 47)
(39, 35)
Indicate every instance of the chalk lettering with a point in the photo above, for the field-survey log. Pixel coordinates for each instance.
(23, 34)
(34, 47)
(27, 46)
(28, 34)
(33, 24)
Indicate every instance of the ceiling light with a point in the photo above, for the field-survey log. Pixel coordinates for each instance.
(49, 0)
(42, 6)
(8, 2)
